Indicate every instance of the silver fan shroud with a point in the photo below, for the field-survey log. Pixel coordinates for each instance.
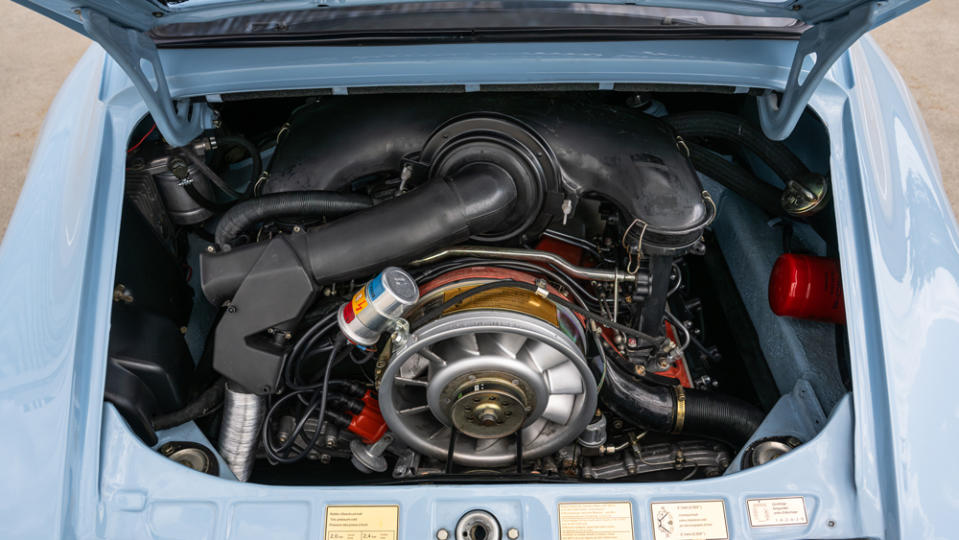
(543, 371)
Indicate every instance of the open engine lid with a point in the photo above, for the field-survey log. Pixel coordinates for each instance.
(121, 27)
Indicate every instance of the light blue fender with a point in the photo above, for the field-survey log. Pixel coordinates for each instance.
(899, 237)
(54, 262)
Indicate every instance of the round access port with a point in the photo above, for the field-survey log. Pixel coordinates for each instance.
(478, 525)
(765, 450)
(192, 455)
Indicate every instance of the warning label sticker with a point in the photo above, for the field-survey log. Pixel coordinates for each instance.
(777, 512)
(596, 521)
(689, 520)
(362, 522)
(359, 301)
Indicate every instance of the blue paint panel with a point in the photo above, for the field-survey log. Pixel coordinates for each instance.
(529, 507)
(288, 520)
(762, 64)
(905, 231)
(49, 401)
(142, 15)
(195, 520)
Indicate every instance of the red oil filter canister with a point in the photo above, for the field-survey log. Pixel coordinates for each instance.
(807, 287)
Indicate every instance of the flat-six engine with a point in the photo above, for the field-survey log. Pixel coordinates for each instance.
(434, 286)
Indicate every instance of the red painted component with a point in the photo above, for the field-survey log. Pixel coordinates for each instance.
(807, 287)
(348, 314)
(368, 425)
(678, 370)
(571, 253)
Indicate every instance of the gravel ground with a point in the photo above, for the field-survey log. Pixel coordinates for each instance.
(37, 54)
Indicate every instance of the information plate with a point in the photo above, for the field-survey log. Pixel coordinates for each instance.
(689, 520)
(362, 522)
(596, 521)
(776, 512)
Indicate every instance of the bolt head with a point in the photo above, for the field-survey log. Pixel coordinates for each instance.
(512, 533)
(442, 534)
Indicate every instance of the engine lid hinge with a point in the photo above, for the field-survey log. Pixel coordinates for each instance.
(825, 43)
(179, 121)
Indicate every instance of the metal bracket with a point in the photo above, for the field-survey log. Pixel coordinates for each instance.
(827, 40)
(178, 120)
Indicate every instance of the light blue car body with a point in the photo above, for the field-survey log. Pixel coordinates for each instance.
(880, 467)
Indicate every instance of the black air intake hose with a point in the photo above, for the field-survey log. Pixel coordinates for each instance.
(204, 404)
(243, 215)
(739, 180)
(656, 407)
(476, 199)
(700, 125)
(721, 417)
(643, 404)
(699, 128)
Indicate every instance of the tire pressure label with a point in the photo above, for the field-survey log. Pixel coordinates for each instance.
(362, 522)
(596, 521)
(777, 512)
(689, 520)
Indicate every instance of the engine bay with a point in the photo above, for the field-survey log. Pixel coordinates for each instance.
(489, 287)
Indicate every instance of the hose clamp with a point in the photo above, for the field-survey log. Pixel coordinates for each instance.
(680, 409)
(541, 289)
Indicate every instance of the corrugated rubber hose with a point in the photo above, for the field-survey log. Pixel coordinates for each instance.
(245, 214)
(673, 409)
(742, 182)
(698, 125)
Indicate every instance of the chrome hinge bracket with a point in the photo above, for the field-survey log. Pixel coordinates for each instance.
(827, 41)
(179, 121)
